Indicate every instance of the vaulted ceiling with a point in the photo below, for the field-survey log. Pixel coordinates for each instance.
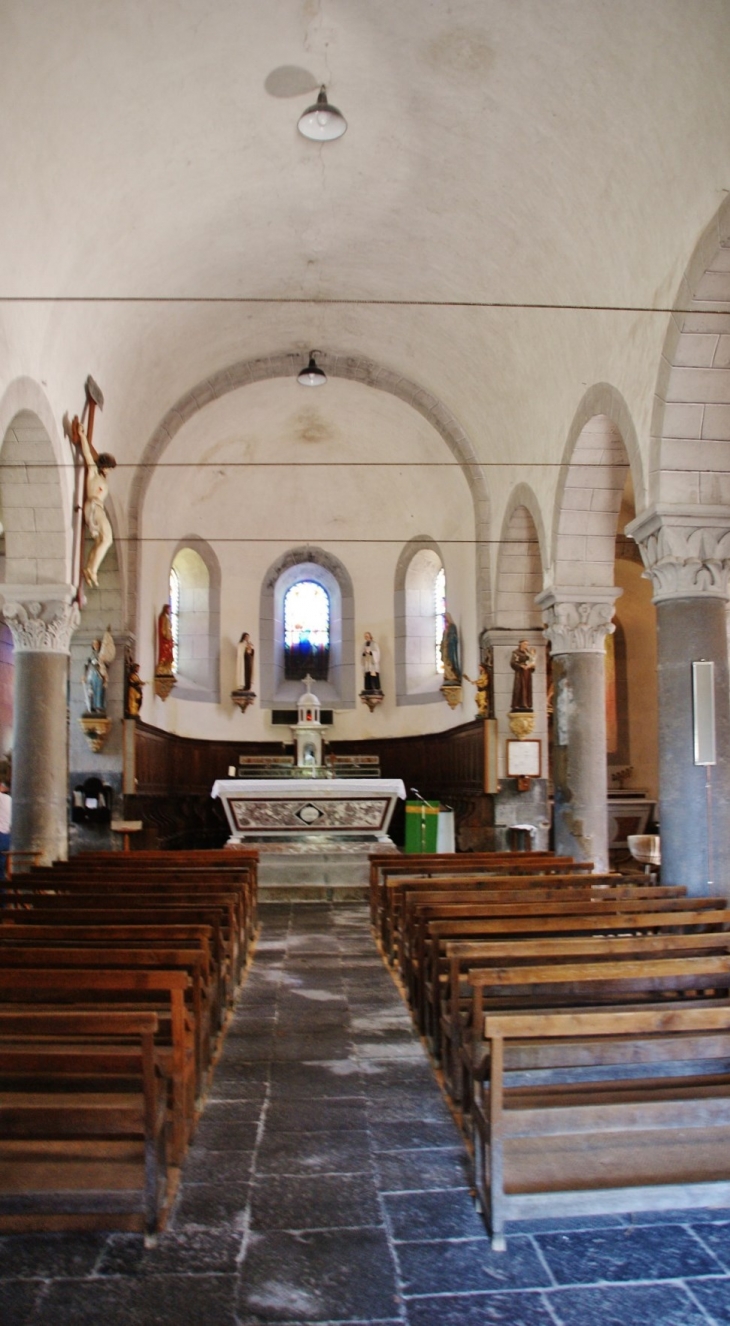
(505, 222)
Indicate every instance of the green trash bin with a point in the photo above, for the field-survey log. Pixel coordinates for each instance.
(422, 820)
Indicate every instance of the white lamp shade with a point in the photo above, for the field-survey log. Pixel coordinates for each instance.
(312, 375)
(322, 122)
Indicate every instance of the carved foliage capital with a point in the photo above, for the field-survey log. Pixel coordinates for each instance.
(578, 626)
(42, 628)
(687, 559)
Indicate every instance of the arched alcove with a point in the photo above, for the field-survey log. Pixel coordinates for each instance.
(326, 570)
(415, 611)
(198, 621)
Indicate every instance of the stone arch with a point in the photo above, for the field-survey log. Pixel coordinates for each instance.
(690, 447)
(35, 508)
(330, 572)
(422, 543)
(601, 447)
(520, 562)
(356, 368)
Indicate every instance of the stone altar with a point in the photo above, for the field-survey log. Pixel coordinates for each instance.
(331, 808)
(313, 834)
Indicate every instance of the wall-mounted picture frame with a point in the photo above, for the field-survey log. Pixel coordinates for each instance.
(524, 759)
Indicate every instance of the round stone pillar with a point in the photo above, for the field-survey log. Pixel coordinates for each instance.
(694, 808)
(685, 552)
(577, 626)
(41, 637)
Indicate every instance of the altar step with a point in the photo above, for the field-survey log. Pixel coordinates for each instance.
(303, 872)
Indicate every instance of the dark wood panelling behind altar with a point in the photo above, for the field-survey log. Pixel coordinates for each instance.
(175, 775)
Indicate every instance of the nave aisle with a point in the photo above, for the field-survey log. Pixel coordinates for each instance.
(327, 1183)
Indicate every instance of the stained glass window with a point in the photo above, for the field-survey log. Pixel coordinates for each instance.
(306, 631)
(439, 594)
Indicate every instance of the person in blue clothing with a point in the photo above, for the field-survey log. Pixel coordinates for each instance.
(5, 819)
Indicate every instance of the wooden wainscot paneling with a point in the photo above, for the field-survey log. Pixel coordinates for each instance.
(180, 771)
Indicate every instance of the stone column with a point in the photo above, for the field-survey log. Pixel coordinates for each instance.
(41, 628)
(686, 553)
(577, 623)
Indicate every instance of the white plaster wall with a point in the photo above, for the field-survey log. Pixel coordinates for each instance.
(274, 466)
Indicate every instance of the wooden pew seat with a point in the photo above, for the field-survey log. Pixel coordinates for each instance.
(82, 1121)
(603, 1111)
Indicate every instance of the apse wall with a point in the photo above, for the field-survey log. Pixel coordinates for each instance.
(343, 469)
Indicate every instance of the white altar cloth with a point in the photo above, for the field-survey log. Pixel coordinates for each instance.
(284, 807)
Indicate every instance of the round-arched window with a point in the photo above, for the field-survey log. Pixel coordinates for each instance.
(306, 631)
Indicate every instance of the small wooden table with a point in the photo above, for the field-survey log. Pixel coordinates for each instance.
(126, 827)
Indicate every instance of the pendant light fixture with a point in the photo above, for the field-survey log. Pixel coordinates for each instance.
(322, 122)
(312, 375)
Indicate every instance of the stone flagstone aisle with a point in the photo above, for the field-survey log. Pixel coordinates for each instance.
(328, 1184)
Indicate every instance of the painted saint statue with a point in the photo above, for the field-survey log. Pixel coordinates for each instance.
(370, 655)
(96, 673)
(165, 643)
(450, 652)
(522, 662)
(245, 654)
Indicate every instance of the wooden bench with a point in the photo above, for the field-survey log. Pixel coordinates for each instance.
(130, 960)
(240, 864)
(82, 1121)
(419, 906)
(61, 935)
(106, 908)
(562, 981)
(457, 943)
(240, 880)
(431, 864)
(603, 1111)
(396, 889)
(161, 992)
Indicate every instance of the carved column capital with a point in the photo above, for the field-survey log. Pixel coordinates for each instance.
(685, 550)
(42, 618)
(578, 620)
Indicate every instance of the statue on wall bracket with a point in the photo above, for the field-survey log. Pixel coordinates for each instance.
(521, 716)
(451, 687)
(244, 695)
(94, 722)
(165, 677)
(372, 692)
(482, 690)
(133, 689)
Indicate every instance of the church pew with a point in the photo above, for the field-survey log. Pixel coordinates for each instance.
(418, 898)
(162, 992)
(82, 1121)
(457, 943)
(235, 862)
(125, 866)
(200, 937)
(627, 972)
(77, 880)
(422, 907)
(200, 907)
(191, 961)
(395, 890)
(48, 915)
(430, 864)
(602, 1111)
